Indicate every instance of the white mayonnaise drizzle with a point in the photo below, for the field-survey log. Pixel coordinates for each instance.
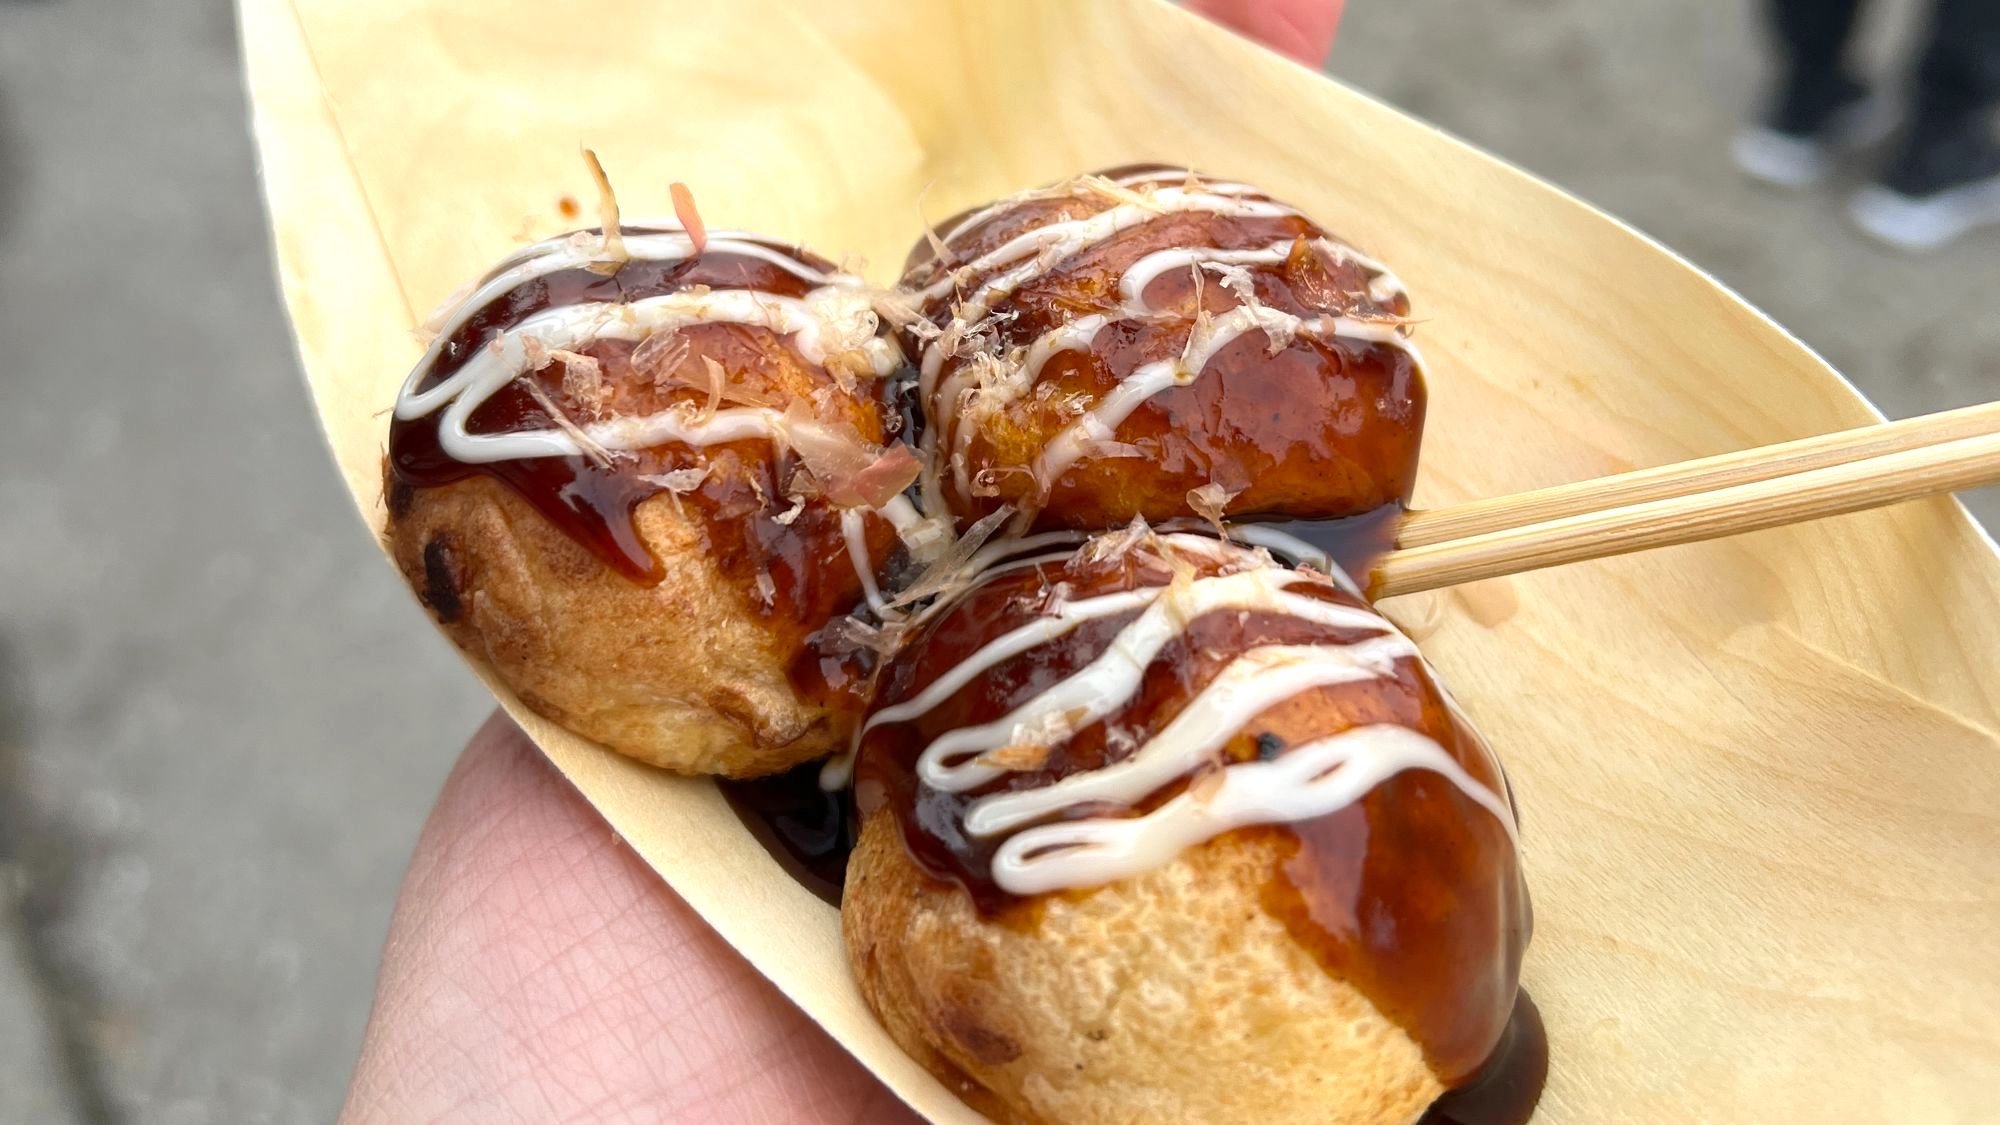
(581, 248)
(1169, 175)
(1287, 546)
(1097, 425)
(855, 531)
(1309, 780)
(1046, 847)
(1033, 254)
(957, 761)
(1301, 553)
(1383, 287)
(983, 561)
(1158, 175)
(1254, 682)
(836, 315)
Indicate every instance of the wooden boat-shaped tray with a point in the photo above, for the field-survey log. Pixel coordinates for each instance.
(1759, 777)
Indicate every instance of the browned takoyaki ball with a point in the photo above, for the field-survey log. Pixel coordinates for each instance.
(637, 480)
(1150, 343)
(1168, 832)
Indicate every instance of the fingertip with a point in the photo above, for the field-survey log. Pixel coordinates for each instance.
(1302, 30)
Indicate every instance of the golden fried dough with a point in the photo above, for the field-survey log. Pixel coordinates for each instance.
(640, 479)
(1172, 996)
(683, 673)
(1150, 343)
(1169, 831)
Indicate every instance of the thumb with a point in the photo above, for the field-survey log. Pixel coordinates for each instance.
(537, 970)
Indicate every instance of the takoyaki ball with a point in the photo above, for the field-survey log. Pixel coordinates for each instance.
(1152, 343)
(1170, 832)
(638, 477)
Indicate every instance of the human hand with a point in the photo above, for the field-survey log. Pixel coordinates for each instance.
(1298, 29)
(537, 970)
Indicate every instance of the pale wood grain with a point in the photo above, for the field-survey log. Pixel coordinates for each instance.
(1703, 474)
(1758, 776)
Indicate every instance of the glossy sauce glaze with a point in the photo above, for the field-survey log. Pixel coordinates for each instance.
(1398, 867)
(808, 829)
(798, 563)
(793, 814)
(1109, 345)
(1349, 546)
(811, 830)
(1509, 1083)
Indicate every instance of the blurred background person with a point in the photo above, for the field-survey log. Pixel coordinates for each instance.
(1942, 177)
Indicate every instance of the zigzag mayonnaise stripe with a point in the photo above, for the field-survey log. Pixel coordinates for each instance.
(1309, 780)
(999, 273)
(1050, 848)
(837, 315)
(1164, 175)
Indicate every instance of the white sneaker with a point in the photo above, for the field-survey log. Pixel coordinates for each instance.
(1925, 222)
(1788, 160)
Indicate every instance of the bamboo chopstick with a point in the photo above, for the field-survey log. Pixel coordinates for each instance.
(1706, 474)
(1853, 486)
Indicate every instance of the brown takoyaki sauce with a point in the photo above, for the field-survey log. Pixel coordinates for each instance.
(1354, 543)
(793, 562)
(1412, 893)
(1318, 426)
(1508, 1085)
(809, 830)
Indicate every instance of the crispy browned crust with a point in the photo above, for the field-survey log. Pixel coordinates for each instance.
(1309, 429)
(1173, 996)
(683, 674)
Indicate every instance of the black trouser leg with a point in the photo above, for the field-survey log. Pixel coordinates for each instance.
(1960, 71)
(1812, 38)
(1958, 80)
(1814, 33)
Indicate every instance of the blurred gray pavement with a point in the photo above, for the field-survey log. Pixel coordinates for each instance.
(221, 722)
(1630, 104)
(229, 721)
